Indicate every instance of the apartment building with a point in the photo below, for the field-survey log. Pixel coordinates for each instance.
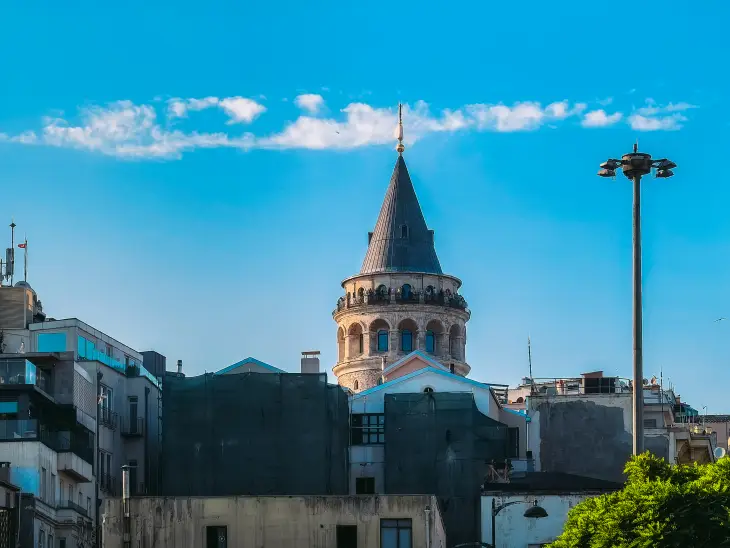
(75, 405)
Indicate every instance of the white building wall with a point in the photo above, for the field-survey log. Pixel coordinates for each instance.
(516, 531)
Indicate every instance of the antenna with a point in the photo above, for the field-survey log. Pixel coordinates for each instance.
(10, 254)
(529, 362)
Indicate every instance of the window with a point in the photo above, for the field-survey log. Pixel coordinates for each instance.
(61, 491)
(347, 536)
(368, 429)
(62, 542)
(44, 487)
(396, 533)
(430, 342)
(106, 397)
(428, 390)
(216, 536)
(88, 505)
(361, 343)
(380, 381)
(404, 231)
(52, 342)
(451, 368)
(41, 538)
(53, 489)
(364, 486)
(406, 340)
(382, 340)
(356, 386)
(649, 423)
(405, 292)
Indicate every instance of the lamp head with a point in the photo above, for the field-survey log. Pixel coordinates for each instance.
(535, 511)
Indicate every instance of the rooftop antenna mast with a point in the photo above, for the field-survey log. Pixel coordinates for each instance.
(10, 254)
(529, 361)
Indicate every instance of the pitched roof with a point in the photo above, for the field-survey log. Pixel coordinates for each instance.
(393, 248)
(249, 361)
(428, 360)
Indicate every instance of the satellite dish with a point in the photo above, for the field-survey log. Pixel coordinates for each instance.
(720, 452)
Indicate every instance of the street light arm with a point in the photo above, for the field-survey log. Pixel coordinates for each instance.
(501, 507)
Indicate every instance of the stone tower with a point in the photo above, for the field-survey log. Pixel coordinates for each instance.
(401, 300)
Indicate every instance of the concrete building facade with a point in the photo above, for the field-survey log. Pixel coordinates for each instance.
(401, 300)
(407, 521)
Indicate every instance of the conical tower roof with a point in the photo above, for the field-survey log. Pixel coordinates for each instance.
(401, 241)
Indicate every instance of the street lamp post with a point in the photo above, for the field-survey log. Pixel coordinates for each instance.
(533, 511)
(635, 165)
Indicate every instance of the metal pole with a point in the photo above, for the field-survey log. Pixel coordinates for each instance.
(494, 522)
(638, 351)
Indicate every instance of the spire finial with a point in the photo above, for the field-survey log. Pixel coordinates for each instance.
(400, 148)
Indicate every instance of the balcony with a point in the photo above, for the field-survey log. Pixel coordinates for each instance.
(132, 427)
(110, 485)
(71, 505)
(108, 418)
(379, 298)
(18, 430)
(75, 467)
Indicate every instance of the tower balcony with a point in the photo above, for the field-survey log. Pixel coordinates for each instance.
(398, 297)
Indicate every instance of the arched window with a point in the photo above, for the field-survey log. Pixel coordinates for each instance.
(406, 340)
(382, 290)
(382, 340)
(405, 292)
(427, 390)
(380, 381)
(362, 344)
(356, 386)
(430, 342)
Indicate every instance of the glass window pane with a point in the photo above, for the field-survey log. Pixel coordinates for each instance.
(430, 342)
(406, 341)
(388, 538)
(382, 341)
(404, 538)
(51, 342)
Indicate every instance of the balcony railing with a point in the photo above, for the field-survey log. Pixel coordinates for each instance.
(108, 418)
(18, 429)
(75, 507)
(439, 298)
(68, 442)
(132, 427)
(110, 485)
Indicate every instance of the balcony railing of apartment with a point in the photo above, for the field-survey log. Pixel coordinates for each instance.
(75, 507)
(108, 418)
(110, 485)
(581, 385)
(18, 429)
(68, 442)
(132, 426)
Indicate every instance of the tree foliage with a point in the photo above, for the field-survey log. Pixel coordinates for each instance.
(661, 506)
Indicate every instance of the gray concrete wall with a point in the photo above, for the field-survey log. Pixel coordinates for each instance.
(587, 435)
(273, 522)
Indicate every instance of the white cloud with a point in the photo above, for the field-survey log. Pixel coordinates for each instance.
(654, 117)
(127, 130)
(310, 102)
(599, 118)
(241, 110)
(238, 109)
(660, 123)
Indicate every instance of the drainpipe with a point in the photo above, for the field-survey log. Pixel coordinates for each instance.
(125, 507)
(428, 526)
(97, 501)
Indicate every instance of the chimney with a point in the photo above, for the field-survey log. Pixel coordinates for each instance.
(310, 361)
(179, 367)
(5, 472)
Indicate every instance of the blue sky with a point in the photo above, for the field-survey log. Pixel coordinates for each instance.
(199, 180)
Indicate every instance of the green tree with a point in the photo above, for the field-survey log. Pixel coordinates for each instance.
(661, 506)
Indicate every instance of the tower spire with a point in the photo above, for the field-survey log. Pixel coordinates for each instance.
(400, 147)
